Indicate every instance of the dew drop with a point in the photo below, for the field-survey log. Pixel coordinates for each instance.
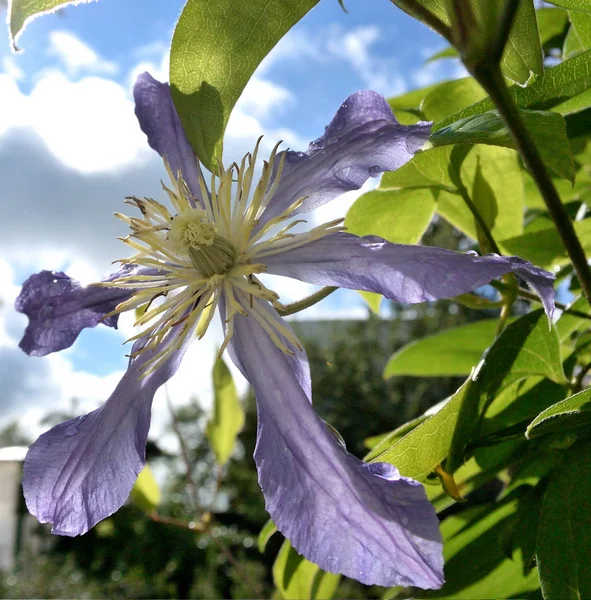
(74, 428)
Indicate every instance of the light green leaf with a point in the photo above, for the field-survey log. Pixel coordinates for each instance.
(525, 347)
(574, 411)
(574, 4)
(450, 97)
(215, 49)
(228, 416)
(447, 353)
(145, 493)
(548, 130)
(523, 57)
(569, 323)
(399, 216)
(22, 12)
(426, 169)
(379, 443)
(563, 549)
(551, 23)
(556, 85)
(411, 101)
(373, 300)
(296, 577)
(544, 248)
(578, 38)
(425, 447)
(449, 52)
(268, 530)
(497, 171)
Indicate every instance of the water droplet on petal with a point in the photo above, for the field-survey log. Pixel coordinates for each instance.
(74, 428)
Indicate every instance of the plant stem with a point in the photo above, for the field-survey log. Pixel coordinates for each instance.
(491, 79)
(294, 307)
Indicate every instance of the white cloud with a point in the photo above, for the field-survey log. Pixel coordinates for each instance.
(76, 56)
(10, 68)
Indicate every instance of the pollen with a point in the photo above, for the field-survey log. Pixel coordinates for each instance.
(207, 249)
(191, 229)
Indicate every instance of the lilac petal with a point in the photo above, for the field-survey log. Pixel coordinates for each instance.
(160, 122)
(59, 308)
(403, 273)
(361, 520)
(82, 471)
(363, 140)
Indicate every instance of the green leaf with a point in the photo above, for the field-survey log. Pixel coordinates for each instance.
(578, 38)
(574, 4)
(216, 47)
(544, 248)
(379, 443)
(296, 577)
(426, 169)
(551, 23)
(228, 416)
(426, 446)
(493, 178)
(548, 130)
(450, 97)
(475, 565)
(447, 353)
(145, 493)
(449, 52)
(22, 12)
(574, 411)
(564, 538)
(525, 347)
(373, 300)
(523, 57)
(268, 530)
(399, 216)
(555, 86)
(411, 101)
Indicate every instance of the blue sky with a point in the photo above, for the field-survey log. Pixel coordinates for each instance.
(71, 150)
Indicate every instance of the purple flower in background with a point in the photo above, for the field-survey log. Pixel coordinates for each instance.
(362, 520)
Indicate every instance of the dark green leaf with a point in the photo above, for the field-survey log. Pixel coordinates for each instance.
(22, 12)
(228, 416)
(475, 565)
(525, 347)
(447, 353)
(572, 412)
(215, 49)
(547, 129)
(564, 537)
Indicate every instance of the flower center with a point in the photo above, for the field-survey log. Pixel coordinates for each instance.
(205, 250)
(191, 233)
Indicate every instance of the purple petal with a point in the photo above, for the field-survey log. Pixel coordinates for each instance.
(159, 120)
(363, 140)
(59, 308)
(82, 471)
(403, 273)
(361, 520)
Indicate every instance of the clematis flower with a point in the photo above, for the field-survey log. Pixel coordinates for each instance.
(204, 251)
